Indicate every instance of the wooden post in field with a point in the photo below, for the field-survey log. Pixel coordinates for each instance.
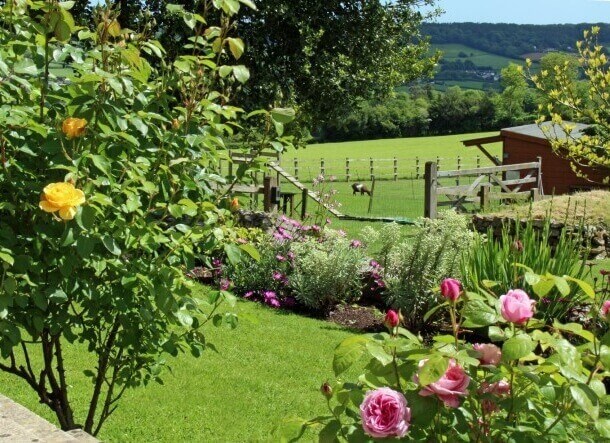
(395, 169)
(459, 168)
(371, 196)
(478, 161)
(304, 195)
(347, 174)
(372, 168)
(438, 163)
(296, 168)
(267, 184)
(484, 195)
(534, 194)
(430, 197)
(417, 168)
(322, 167)
(256, 183)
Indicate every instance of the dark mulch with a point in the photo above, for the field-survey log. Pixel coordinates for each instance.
(361, 318)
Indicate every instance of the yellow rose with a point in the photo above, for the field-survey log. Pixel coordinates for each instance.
(62, 197)
(73, 127)
(234, 205)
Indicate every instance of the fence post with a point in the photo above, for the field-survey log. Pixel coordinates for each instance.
(534, 194)
(347, 174)
(539, 184)
(438, 163)
(304, 195)
(372, 194)
(459, 168)
(267, 193)
(395, 169)
(484, 195)
(430, 198)
(322, 168)
(296, 168)
(372, 162)
(417, 168)
(478, 161)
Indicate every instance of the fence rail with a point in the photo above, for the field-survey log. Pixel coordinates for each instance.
(360, 169)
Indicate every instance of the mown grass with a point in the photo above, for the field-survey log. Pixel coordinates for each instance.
(480, 58)
(269, 368)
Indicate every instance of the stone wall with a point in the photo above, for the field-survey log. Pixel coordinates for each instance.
(597, 236)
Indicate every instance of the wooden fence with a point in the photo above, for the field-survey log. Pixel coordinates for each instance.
(486, 180)
(356, 169)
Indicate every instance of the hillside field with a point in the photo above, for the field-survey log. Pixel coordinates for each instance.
(480, 58)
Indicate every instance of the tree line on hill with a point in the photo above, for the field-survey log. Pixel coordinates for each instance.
(419, 110)
(510, 40)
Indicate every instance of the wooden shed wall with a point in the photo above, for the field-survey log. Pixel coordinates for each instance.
(557, 175)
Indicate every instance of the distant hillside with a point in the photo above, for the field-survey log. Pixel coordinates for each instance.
(510, 40)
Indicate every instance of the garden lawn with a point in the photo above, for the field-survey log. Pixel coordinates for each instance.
(269, 368)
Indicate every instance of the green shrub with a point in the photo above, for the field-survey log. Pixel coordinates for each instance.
(327, 271)
(490, 261)
(413, 267)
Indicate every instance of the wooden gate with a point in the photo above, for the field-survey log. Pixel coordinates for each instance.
(486, 181)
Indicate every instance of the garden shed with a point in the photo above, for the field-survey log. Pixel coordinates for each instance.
(524, 144)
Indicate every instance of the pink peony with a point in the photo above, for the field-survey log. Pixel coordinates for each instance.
(488, 354)
(384, 413)
(391, 319)
(605, 309)
(516, 306)
(451, 289)
(450, 387)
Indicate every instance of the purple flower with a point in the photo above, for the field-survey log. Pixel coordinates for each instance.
(278, 236)
(277, 275)
(280, 257)
(341, 233)
(290, 255)
(355, 244)
(328, 221)
(248, 294)
(225, 284)
(316, 228)
(271, 299)
(374, 264)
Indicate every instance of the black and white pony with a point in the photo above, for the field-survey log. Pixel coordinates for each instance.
(361, 188)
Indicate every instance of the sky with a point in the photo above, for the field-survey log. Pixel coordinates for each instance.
(525, 11)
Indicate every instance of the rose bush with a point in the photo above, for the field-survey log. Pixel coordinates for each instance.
(529, 383)
(124, 146)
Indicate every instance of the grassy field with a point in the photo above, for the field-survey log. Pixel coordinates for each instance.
(479, 58)
(268, 369)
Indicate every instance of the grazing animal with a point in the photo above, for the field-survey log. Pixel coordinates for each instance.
(361, 188)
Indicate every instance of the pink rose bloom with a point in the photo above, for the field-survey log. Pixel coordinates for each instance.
(516, 306)
(605, 309)
(499, 389)
(488, 354)
(384, 413)
(451, 289)
(450, 387)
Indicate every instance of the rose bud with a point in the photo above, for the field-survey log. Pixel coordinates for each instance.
(326, 390)
(451, 289)
(391, 320)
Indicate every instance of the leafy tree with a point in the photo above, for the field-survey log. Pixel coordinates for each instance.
(510, 103)
(593, 148)
(107, 178)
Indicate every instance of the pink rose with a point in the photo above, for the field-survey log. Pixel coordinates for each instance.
(605, 309)
(451, 289)
(384, 413)
(488, 354)
(498, 389)
(391, 319)
(516, 306)
(450, 387)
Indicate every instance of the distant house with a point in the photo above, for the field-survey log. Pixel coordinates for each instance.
(524, 144)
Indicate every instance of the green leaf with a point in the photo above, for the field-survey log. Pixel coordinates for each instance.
(603, 427)
(84, 246)
(283, 115)
(380, 354)
(562, 285)
(10, 285)
(584, 397)
(233, 253)
(85, 218)
(241, 73)
(236, 45)
(251, 251)
(348, 352)
(101, 163)
(111, 245)
(479, 314)
(58, 296)
(584, 286)
(517, 347)
(576, 329)
(433, 369)
(434, 310)
(5, 257)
